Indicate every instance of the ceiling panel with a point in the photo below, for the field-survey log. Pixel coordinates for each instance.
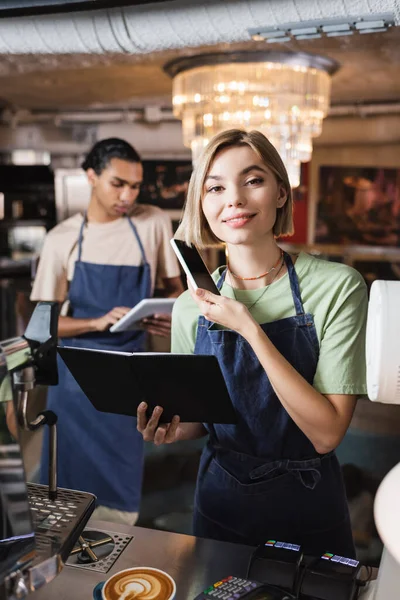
(370, 72)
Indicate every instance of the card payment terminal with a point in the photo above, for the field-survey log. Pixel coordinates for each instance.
(235, 588)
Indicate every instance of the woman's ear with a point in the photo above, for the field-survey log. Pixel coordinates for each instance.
(281, 200)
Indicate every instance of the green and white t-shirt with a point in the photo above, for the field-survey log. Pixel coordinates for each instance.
(336, 296)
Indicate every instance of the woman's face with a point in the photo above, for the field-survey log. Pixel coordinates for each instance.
(241, 196)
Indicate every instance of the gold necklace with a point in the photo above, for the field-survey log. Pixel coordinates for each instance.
(266, 287)
(258, 276)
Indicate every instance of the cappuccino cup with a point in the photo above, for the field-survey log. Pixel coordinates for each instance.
(139, 583)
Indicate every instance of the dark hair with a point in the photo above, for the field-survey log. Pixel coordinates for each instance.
(99, 157)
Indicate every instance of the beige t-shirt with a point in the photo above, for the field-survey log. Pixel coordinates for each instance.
(111, 243)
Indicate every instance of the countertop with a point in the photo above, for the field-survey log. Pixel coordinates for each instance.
(194, 563)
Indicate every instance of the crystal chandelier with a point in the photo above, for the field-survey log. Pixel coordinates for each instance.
(284, 95)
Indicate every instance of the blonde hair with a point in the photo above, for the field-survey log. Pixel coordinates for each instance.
(194, 228)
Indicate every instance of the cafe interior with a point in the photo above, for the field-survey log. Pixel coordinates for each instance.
(321, 79)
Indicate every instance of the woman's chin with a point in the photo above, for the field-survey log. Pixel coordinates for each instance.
(238, 237)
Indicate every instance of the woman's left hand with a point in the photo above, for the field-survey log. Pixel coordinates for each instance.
(222, 310)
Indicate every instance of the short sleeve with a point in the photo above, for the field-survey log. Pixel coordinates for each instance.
(50, 283)
(167, 264)
(5, 390)
(184, 325)
(341, 366)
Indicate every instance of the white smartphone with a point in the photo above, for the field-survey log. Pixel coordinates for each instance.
(194, 266)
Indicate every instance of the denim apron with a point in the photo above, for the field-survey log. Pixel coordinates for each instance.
(262, 478)
(99, 452)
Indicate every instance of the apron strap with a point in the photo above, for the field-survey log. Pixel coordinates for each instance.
(221, 279)
(294, 285)
(80, 237)
(139, 241)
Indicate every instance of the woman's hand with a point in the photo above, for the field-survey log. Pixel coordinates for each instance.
(152, 431)
(166, 433)
(225, 311)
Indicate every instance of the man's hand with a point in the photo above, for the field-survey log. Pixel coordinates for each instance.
(106, 321)
(157, 325)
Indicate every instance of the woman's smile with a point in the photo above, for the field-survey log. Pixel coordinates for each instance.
(239, 220)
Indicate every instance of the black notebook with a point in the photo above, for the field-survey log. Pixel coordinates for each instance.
(191, 386)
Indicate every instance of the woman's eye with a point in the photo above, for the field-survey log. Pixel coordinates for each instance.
(215, 189)
(255, 181)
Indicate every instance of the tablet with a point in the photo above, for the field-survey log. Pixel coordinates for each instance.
(144, 308)
(189, 385)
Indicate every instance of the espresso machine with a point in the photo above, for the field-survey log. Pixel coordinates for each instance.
(39, 525)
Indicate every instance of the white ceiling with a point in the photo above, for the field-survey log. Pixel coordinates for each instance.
(115, 57)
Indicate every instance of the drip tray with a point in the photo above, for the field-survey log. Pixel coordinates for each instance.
(107, 546)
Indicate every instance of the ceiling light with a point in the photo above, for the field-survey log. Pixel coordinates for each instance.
(284, 95)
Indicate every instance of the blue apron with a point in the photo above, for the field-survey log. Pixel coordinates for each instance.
(262, 478)
(98, 452)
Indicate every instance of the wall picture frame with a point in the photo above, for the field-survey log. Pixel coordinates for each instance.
(358, 206)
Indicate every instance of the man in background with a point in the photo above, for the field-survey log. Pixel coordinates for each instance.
(98, 265)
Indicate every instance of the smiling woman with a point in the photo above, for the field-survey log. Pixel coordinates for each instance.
(288, 332)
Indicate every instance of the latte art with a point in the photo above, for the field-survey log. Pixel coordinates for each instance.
(139, 584)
